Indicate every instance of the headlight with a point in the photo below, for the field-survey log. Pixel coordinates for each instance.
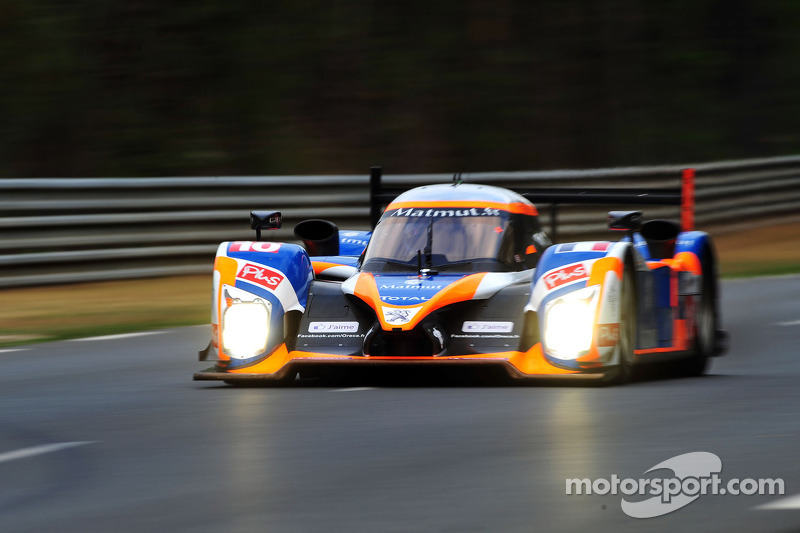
(569, 323)
(245, 329)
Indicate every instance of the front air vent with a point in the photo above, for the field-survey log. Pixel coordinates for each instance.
(428, 340)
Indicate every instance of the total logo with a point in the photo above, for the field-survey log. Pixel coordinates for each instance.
(404, 299)
(565, 275)
(260, 275)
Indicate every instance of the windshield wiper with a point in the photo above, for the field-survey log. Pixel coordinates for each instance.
(429, 246)
(428, 270)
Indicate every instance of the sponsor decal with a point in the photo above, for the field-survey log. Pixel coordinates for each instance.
(562, 276)
(410, 286)
(589, 246)
(330, 336)
(215, 335)
(612, 299)
(472, 326)
(260, 275)
(254, 247)
(404, 299)
(484, 336)
(354, 241)
(568, 247)
(446, 213)
(607, 335)
(398, 317)
(439, 336)
(333, 327)
(409, 291)
(689, 283)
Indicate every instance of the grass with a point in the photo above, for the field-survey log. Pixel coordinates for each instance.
(90, 309)
(83, 310)
(761, 251)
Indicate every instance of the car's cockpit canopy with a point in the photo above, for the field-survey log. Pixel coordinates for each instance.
(456, 236)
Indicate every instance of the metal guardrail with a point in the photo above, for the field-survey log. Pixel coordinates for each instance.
(58, 230)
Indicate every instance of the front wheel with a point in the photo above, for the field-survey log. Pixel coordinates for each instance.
(627, 327)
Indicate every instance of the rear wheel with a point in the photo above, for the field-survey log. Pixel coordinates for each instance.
(705, 324)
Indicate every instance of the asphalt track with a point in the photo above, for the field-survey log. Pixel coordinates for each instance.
(113, 435)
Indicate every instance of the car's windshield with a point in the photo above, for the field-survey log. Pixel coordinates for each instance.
(476, 242)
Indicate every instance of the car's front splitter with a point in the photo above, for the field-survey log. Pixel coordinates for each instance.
(519, 365)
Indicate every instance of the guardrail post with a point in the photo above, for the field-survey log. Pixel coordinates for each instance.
(374, 190)
(687, 200)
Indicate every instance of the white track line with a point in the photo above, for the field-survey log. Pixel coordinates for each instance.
(789, 502)
(791, 323)
(120, 336)
(353, 389)
(9, 350)
(39, 450)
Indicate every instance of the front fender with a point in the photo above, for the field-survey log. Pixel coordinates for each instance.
(276, 275)
(592, 273)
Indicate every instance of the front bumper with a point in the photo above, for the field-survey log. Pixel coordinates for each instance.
(421, 364)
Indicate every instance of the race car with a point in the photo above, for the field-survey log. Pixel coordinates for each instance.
(460, 274)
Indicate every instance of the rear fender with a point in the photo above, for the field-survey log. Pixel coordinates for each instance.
(342, 266)
(276, 275)
(695, 265)
(353, 242)
(696, 242)
(694, 259)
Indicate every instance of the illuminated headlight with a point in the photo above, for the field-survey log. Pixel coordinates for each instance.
(245, 329)
(569, 323)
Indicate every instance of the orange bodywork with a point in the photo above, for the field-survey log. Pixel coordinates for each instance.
(321, 266)
(227, 268)
(459, 291)
(530, 363)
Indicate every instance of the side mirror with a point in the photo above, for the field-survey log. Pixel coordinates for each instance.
(265, 220)
(624, 220)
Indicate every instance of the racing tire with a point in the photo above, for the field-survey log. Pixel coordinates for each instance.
(705, 323)
(625, 371)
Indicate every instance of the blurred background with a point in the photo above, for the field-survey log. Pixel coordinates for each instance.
(193, 88)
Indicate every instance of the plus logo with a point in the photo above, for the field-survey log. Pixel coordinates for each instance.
(607, 335)
(260, 275)
(559, 277)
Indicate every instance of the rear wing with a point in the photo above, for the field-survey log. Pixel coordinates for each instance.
(682, 196)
